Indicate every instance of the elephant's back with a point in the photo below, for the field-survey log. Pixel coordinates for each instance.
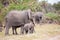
(16, 15)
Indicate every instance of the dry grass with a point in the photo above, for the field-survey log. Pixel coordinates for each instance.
(42, 32)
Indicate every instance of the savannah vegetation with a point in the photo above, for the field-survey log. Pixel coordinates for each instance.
(49, 10)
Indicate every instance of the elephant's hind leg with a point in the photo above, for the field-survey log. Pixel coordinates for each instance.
(7, 29)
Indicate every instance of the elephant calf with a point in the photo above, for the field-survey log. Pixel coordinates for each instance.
(29, 28)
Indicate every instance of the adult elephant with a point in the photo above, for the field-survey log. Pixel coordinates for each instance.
(15, 18)
(37, 16)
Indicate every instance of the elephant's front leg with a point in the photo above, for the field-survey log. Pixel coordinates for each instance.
(13, 29)
(32, 30)
(16, 31)
(34, 21)
(22, 30)
(29, 31)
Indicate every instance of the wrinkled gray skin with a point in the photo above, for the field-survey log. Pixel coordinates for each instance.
(28, 28)
(37, 17)
(15, 18)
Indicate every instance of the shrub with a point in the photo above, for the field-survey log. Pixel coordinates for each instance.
(53, 16)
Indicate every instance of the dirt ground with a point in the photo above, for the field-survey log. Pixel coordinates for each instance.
(42, 32)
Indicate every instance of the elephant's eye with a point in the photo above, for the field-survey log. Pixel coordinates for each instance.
(30, 28)
(40, 17)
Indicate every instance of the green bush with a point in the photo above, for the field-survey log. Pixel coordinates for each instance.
(17, 7)
(3, 13)
(53, 16)
(1, 5)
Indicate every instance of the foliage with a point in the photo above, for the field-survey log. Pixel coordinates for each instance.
(17, 7)
(53, 16)
(1, 5)
(57, 5)
(3, 13)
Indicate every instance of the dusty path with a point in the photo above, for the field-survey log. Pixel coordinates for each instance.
(42, 32)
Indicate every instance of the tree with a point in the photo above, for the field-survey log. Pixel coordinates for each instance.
(57, 5)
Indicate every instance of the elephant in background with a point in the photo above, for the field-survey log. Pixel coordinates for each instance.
(37, 16)
(15, 18)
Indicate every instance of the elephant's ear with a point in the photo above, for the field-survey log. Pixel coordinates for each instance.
(29, 13)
